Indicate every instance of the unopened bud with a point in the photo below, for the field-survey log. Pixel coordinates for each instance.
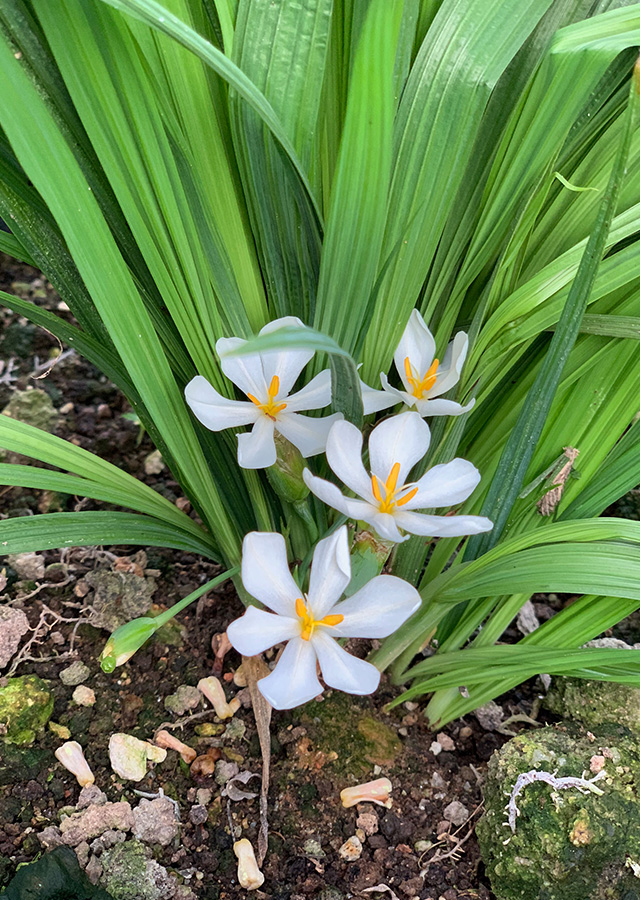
(124, 642)
(169, 742)
(71, 755)
(249, 875)
(368, 556)
(285, 475)
(372, 792)
(214, 692)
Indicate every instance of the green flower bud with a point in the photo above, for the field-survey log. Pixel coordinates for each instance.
(285, 475)
(124, 642)
(368, 556)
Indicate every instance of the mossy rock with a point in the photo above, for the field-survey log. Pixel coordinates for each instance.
(26, 704)
(33, 407)
(567, 844)
(595, 703)
(360, 740)
(129, 874)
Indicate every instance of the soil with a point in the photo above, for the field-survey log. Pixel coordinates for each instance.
(410, 850)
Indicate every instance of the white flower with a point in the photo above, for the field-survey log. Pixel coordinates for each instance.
(266, 379)
(389, 498)
(424, 378)
(310, 623)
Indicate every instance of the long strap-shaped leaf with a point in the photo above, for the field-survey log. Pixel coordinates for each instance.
(52, 531)
(161, 19)
(514, 462)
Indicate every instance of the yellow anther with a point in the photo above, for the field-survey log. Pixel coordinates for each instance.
(420, 386)
(270, 408)
(309, 624)
(389, 502)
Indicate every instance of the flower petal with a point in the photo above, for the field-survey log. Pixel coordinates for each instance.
(386, 526)
(286, 364)
(257, 630)
(449, 371)
(245, 371)
(418, 344)
(375, 401)
(315, 395)
(340, 669)
(257, 448)
(332, 495)
(445, 485)
(294, 680)
(265, 572)
(441, 407)
(377, 609)
(402, 396)
(307, 434)
(214, 410)
(330, 572)
(344, 455)
(442, 526)
(404, 439)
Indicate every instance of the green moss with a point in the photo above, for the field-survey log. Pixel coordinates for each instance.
(26, 705)
(595, 703)
(567, 845)
(359, 739)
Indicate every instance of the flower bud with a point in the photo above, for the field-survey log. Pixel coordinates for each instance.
(249, 875)
(368, 556)
(71, 755)
(372, 792)
(285, 475)
(213, 691)
(124, 642)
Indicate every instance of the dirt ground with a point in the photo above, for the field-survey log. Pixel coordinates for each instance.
(420, 848)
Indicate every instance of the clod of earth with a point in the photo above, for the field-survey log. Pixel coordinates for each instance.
(568, 844)
(595, 703)
(26, 704)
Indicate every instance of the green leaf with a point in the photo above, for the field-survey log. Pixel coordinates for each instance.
(10, 245)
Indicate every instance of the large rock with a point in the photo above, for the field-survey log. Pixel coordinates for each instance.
(26, 704)
(118, 597)
(572, 840)
(595, 703)
(128, 874)
(13, 624)
(34, 407)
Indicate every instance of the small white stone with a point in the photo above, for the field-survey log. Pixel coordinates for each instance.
(83, 696)
(435, 748)
(351, 850)
(129, 756)
(456, 813)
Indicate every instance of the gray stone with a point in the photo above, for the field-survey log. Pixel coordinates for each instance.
(183, 700)
(13, 624)
(34, 407)
(595, 703)
(128, 874)
(91, 795)
(489, 716)
(118, 597)
(198, 815)
(94, 870)
(155, 821)
(571, 841)
(29, 565)
(82, 853)
(94, 821)
(50, 837)
(456, 813)
(75, 674)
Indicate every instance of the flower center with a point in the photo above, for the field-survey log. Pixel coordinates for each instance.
(420, 386)
(309, 624)
(388, 502)
(270, 408)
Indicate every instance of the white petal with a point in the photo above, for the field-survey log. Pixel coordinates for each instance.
(375, 401)
(315, 395)
(245, 371)
(257, 448)
(307, 434)
(386, 526)
(294, 680)
(449, 371)
(418, 344)
(332, 495)
(265, 572)
(258, 630)
(330, 572)
(286, 364)
(214, 410)
(442, 526)
(402, 396)
(377, 609)
(445, 485)
(344, 455)
(404, 439)
(342, 671)
(440, 407)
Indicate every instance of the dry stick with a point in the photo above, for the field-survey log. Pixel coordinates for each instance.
(255, 669)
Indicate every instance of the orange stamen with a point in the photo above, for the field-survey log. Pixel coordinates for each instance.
(375, 487)
(309, 624)
(407, 497)
(391, 490)
(270, 408)
(420, 386)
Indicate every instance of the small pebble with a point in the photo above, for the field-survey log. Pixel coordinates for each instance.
(75, 674)
(82, 853)
(313, 848)
(91, 795)
(465, 732)
(154, 463)
(198, 815)
(94, 870)
(368, 822)
(83, 696)
(155, 821)
(438, 782)
(66, 408)
(60, 731)
(445, 742)
(435, 748)
(351, 850)
(203, 796)
(456, 813)
(596, 764)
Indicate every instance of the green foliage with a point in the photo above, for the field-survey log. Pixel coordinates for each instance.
(190, 171)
